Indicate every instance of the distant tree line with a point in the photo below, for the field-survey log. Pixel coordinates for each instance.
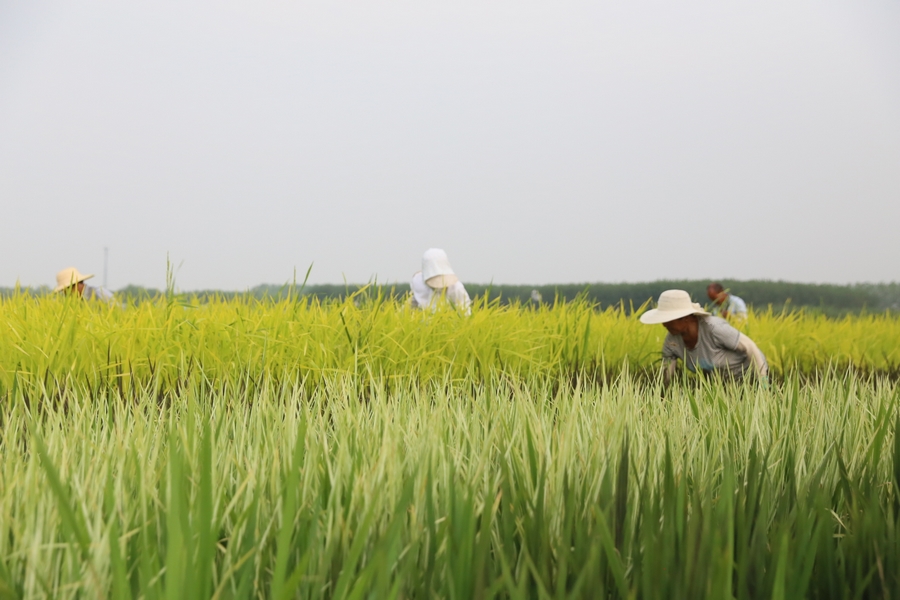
(760, 294)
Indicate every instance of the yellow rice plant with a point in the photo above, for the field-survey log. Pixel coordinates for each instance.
(58, 338)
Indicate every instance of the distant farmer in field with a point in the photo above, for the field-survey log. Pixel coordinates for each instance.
(437, 282)
(726, 304)
(704, 342)
(71, 281)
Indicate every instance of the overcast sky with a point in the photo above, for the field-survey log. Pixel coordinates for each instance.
(535, 141)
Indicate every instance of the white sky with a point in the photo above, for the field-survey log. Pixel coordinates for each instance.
(536, 142)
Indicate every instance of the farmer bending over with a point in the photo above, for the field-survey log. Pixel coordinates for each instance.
(704, 342)
(437, 282)
(726, 304)
(71, 281)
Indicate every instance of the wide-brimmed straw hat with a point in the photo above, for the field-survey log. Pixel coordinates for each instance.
(436, 269)
(673, 304)
(69, 277)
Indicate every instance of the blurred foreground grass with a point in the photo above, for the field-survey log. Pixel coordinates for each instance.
(506, 488)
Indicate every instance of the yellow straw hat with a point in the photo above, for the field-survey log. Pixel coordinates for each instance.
(69, 277)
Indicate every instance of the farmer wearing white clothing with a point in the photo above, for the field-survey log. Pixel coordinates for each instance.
(437, 281)
(703, 342)
(726, 304)
(72, 282)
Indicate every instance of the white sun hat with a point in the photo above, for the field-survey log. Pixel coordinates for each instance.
(436, 269)
(69, 277)
(673, 304)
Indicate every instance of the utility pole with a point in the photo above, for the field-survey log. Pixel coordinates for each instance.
(105, 263)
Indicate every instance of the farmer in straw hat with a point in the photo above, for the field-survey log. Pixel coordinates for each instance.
(702, 341)
(437, 281)
(71, 281)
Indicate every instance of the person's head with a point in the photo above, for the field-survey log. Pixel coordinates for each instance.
(676, 312)
(683, 326)
(436, 270)
(716, 292)
(71, 281)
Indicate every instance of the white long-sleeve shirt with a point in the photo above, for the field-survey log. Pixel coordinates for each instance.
(97, 293)
(424, 296)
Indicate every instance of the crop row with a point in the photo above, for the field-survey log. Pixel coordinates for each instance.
(52, 338)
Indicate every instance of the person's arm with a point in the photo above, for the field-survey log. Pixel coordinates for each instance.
(669, 365)
(671, 350)
(738, 308)
(98, 293)
(420, 292)
(459, 297)
(747, 346)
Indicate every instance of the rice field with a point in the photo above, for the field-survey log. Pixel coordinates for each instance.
(357, 449)
(50, 338)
